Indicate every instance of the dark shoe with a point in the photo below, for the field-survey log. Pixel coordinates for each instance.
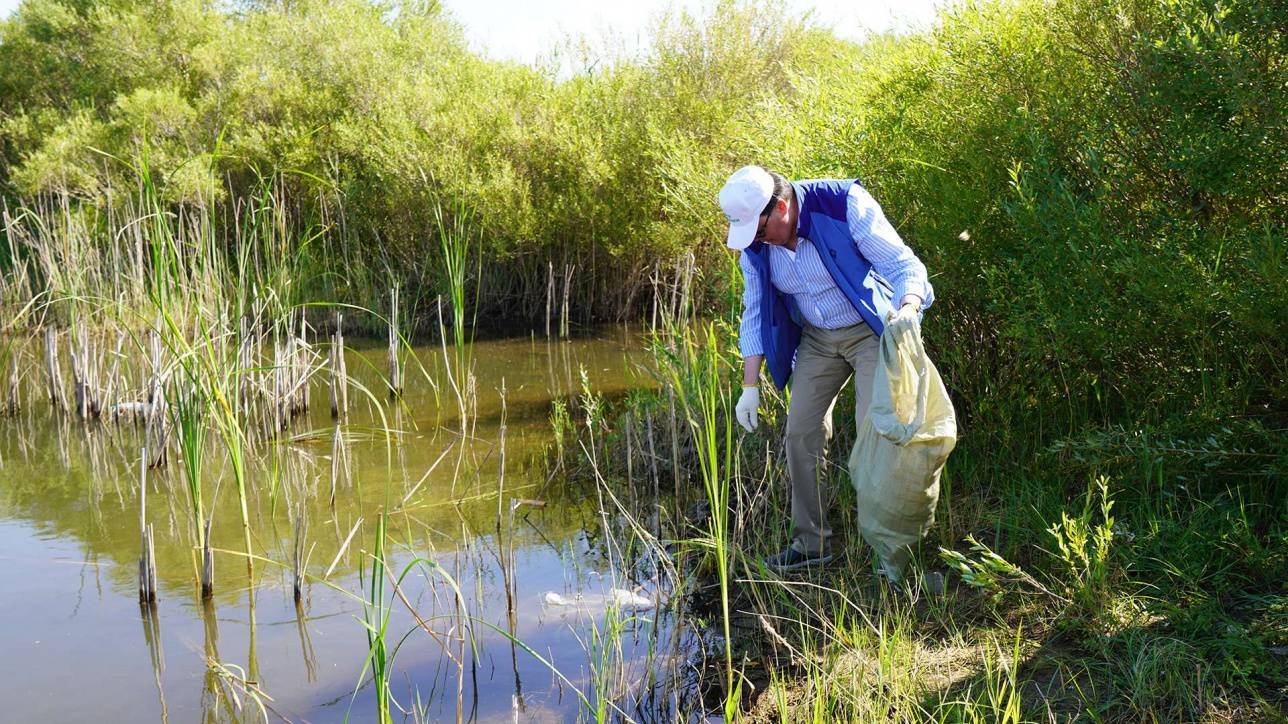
(790, 559)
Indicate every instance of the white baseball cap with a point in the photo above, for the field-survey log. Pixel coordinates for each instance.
(742, 199)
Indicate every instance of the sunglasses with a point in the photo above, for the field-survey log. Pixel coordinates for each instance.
(764, 219)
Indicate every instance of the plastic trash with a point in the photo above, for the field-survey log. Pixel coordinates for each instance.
(630, 600)
(130, 408)
(622, 598)
(902, 446)
(554, 599)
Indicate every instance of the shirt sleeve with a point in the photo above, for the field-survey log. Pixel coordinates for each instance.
(749, 342)
(880, 244)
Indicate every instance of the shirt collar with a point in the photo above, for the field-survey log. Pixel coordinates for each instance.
(802, 223)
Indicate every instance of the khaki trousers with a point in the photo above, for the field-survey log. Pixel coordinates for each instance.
(825, 359)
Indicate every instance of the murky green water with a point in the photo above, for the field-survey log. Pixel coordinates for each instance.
(78, 647)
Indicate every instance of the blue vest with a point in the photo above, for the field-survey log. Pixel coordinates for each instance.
(822, 220)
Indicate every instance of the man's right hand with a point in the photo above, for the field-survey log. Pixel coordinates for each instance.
(746, 408)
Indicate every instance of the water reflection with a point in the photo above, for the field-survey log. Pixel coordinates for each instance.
(484, 535)
(214, 698)
(152, 635)
(306, 643)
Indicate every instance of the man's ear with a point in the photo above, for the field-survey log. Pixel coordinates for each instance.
(782, 207)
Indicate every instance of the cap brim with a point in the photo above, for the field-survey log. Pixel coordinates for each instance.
(741, 235)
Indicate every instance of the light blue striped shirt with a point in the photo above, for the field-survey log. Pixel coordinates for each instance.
(802, 274)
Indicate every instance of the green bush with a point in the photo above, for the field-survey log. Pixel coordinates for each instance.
(1118, 167)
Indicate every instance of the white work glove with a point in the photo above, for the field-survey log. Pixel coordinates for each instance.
(907, 313)
(746, 408)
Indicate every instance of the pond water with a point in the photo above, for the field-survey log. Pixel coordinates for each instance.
(78, 646)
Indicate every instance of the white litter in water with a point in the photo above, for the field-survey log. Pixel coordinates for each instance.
(130, 408)
(620, 597)
(554, 599)
(630, 599)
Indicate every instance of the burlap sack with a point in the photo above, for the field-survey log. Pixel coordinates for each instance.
(903, 443)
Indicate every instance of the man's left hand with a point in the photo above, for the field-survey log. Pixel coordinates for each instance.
(907, 313)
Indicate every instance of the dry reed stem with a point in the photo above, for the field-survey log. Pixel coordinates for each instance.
(207, 563)
(550, 294)
(395, 364)
(53, 372)
(339, 462)
(569, 269)
(301, 525)
(147, 554)
(13, 403)
(339, 373)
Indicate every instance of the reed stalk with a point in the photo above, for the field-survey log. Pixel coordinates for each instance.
(569, 269)
(156, 430)
(395, 360)
(53, 372)
(339, 373)
(304, 364)
(339, 462)
(452, 376)
(13, 401)
(298, 557)
(550, 293)
(147, 549)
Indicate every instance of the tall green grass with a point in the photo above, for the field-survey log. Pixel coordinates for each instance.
(455, 238)
(699, 368)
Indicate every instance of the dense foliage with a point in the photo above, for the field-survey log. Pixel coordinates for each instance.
(1120, 168)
